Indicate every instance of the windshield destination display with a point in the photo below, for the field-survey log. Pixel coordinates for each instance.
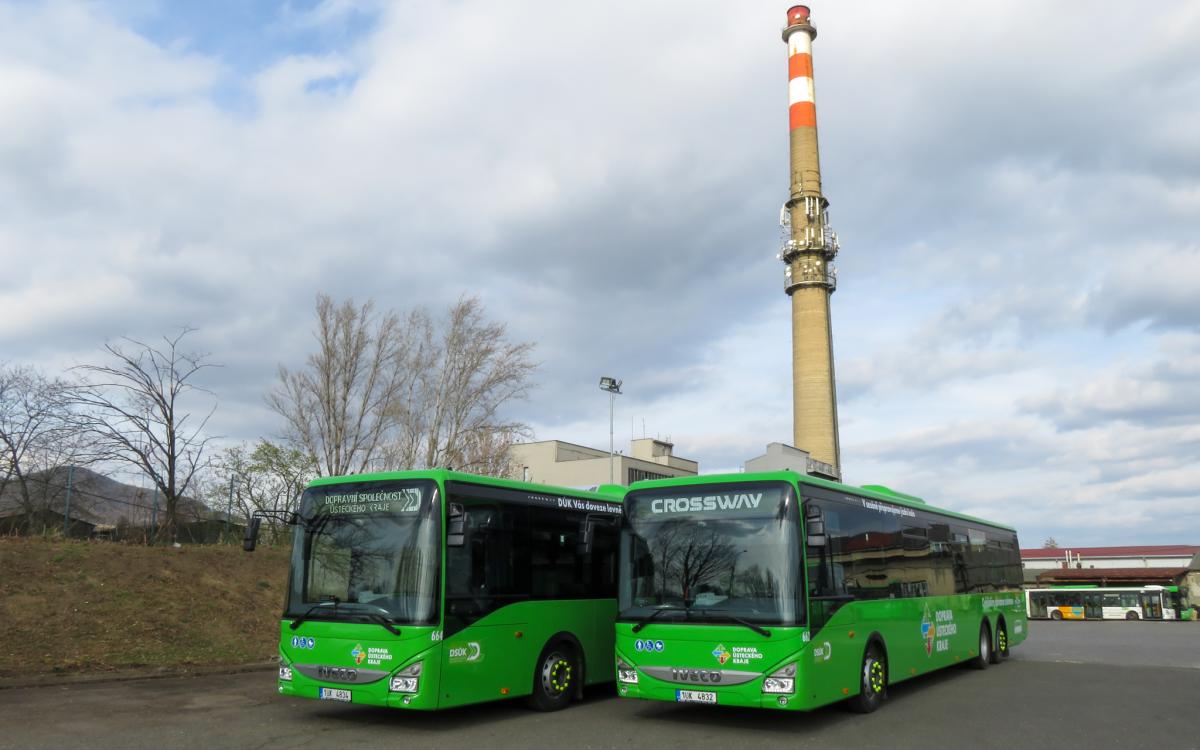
(407, 500)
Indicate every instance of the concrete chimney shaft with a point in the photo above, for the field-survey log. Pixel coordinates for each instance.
(808, 252)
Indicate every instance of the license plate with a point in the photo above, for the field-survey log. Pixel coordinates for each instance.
(333, 694)
(695, 696)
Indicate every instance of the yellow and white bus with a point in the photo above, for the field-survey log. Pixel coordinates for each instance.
(1103, 603)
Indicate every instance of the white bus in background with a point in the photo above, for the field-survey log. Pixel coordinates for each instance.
(1103, 603)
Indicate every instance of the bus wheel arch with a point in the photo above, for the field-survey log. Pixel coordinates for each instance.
(561, 660)
(873, 676)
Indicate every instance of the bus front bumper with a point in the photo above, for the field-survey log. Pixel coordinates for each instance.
(375, 693)
(749, 695)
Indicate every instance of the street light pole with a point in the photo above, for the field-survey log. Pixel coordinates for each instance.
(229, 508)
(613, 387)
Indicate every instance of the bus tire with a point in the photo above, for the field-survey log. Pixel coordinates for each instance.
(1000, 647)
(984, 657)
(1056, 615)
(1131, 616)
(872, 681)
(554, 677)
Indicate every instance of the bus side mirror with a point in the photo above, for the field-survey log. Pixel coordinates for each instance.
(251, 539)
(456, 534)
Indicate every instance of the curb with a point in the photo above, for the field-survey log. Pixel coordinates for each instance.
(128, 675)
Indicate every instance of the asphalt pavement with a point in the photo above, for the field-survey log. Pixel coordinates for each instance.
(1101, 685)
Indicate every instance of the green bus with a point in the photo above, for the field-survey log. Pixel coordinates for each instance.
(432, 589)
(785, 591)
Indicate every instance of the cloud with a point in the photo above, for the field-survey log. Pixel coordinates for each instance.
(1016, 199)
(1163, 392)
(1156, 286)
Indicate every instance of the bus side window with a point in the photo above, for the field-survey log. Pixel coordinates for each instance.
(492, 568)
(604, 558)
(556, 567)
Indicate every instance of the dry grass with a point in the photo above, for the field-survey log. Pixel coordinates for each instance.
(71, 606)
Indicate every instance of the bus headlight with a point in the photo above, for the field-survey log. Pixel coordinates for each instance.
(285, 673)
(781, 681)
(407, 680)
(626, 673)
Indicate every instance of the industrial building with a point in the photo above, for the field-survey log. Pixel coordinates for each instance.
(570, 465)
(781, 457)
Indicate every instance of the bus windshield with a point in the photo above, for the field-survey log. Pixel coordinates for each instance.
(366, 551)
(712, 553)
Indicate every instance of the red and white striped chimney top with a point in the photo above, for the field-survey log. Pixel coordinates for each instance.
(797, 14)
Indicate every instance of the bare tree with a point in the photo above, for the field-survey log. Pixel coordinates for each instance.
(466, 370)
(265, 477)
(36, 438)
(339, 407)
(412, 394)
(1050, 543)
(138, 410)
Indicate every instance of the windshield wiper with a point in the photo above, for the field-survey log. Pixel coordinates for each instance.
(384, 619)
(652, 617)
(381, 619)
(724, 615)
(299, 620)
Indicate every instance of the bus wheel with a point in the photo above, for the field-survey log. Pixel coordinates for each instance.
(1001, 649)
(554, 678)
(1056, 615)
(872, 688)
(984, 657)
(1131, 615)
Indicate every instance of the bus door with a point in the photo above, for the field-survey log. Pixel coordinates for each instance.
(1093, 606)
(1037, 604)
(486, 575)
(1151, 605)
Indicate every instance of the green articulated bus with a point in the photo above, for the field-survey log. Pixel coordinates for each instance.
(779, 590)
(432, 589)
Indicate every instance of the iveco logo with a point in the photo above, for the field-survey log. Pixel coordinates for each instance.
(695, 675)
(337, 674)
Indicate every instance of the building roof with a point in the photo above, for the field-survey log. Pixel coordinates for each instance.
(1093, 575)
(1160, 550)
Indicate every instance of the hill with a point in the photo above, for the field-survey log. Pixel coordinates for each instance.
(99, 499)
(79, 606)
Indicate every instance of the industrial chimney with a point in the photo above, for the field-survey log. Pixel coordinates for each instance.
(809, 247)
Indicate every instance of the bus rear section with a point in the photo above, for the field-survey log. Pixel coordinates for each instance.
(428, 590)
(776, 591)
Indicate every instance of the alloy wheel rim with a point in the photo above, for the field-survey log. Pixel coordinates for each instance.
(875, 676)
(556, 675)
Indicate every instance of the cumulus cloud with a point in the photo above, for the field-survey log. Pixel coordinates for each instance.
(1018, 230)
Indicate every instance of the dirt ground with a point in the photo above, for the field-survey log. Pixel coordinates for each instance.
(79, 606)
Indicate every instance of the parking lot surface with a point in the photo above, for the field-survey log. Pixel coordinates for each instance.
(1070, 685)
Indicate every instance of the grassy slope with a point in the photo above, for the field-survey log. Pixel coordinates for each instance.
(93, 606)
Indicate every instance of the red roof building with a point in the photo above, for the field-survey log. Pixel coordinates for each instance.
(1161, 564)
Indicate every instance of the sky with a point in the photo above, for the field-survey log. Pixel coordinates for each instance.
(1016, 187)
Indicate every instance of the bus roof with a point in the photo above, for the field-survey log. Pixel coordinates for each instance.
(873, 492)
(606, 492)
